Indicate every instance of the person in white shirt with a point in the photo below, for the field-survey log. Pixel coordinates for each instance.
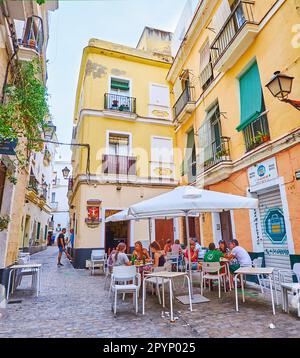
(240, 254)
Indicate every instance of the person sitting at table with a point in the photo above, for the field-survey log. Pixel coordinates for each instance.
(168, 246)
(193, 255)
(176, 248)
(119, 258)
(223, 247)
(213, 255)
(159, 258)
(240, 254)
(140, 253)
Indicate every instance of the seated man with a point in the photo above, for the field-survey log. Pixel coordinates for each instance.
(213, 255)
(240, 254)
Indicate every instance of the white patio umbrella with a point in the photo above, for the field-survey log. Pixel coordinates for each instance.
(186, 200)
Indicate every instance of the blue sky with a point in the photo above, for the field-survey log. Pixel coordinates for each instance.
(75, 22)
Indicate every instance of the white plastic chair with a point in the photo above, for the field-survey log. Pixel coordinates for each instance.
(296, 269)
(211, 272)
(258, 263)
(174, 259)
(125, 279)
(98, 257)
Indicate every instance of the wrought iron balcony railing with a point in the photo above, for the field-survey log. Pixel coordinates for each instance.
(33, 34)
(118, 164)
(218, 152)
(241, 15)
(182, 101)
(257, 132)
(33, 184)
(116, 102)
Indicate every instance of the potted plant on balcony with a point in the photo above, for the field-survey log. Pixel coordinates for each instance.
(32, 43)
(4, 221)
(222, 154)
(115, 104)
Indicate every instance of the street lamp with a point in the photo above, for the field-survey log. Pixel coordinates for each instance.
(49, 130)
(280, 86)
(66, 172)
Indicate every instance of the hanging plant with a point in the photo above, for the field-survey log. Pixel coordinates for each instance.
(24, 110)
(4, 221)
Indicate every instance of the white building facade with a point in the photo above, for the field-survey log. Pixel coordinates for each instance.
(59, 199)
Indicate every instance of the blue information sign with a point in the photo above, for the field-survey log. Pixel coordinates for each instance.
(8, 146)
(275, 226)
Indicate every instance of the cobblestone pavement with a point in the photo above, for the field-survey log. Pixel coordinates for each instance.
(73, 303)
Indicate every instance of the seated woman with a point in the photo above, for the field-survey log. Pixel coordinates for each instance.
(118, 257)
(140, 253)
(168, 246)
(223, 247)
(193, 255)
(176, 248)
(159, 259)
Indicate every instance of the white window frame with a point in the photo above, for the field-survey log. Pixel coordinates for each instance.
(150, 95)
(120, 78)
(110, 131)
(160, 137)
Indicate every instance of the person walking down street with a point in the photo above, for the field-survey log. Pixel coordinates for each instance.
(62, 247)
(72, 238)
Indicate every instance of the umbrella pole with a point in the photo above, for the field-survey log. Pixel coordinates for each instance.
(189, 250)
(149, 227)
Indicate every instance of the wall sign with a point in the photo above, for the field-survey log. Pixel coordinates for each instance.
(8, 147)
(262, 172)
(275, 226)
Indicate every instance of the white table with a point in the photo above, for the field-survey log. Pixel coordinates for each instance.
(267, 271)
(35, 269)
(167, 276)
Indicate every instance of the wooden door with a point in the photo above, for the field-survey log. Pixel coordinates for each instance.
(164, 230)
(194, 229)
(226, 227)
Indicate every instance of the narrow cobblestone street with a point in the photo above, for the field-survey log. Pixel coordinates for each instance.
(73, 303)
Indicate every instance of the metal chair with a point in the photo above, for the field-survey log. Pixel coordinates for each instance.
(125, 279)
(211, 272)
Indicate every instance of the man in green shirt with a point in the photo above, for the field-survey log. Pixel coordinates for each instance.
(212, 254)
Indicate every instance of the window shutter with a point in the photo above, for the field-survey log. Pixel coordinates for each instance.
(251, 97)
(159, 95)
(118, 84)
(204, 56)
(221, 15)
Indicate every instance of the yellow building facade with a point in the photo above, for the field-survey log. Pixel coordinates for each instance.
(235, 136)
(123, 112)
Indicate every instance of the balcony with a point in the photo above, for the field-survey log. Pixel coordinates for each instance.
(30, 38)
(33, 184)
(118, 164)
(184, 106)
(235, 36)
(114, 102)
(257, 132)
(217, 153)
(54, 205)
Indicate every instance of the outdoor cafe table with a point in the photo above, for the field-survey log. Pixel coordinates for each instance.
(32, 268)
(167, 275)
(267, 271)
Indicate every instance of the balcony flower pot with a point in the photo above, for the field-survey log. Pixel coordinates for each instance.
(4, 221)
(265, 138)
(32, 43)
(115, 103)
